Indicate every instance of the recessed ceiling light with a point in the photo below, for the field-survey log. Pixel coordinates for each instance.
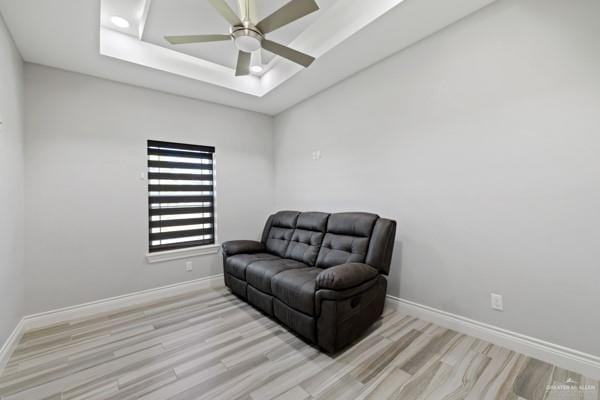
(256, 69)
(120, 22)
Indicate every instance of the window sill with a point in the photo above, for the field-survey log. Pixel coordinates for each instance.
(182, 253)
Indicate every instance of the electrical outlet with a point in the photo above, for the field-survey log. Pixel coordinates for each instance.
(189, 267)
(497, 302)
(316, 155)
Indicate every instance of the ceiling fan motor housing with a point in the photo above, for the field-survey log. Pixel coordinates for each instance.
(247, 38)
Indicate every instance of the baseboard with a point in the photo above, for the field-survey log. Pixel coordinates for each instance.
(564, 357)
(11, 343)
(86, 310)
(114, 303)
(101, 306)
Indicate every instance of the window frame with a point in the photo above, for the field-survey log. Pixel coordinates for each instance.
(159, 255)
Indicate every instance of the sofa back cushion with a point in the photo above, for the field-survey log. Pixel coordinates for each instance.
(307, 237)
(381, 245)
(346, 239)
(279, 230)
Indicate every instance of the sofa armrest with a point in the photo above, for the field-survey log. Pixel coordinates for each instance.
(234, 247)
(345, 276)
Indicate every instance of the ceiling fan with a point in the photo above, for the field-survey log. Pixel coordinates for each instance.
(249, 36)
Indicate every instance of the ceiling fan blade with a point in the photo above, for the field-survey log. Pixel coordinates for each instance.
(196, 38)
(290, 12)
(243, 64)
(226, 11)
(289, 53)
(248, 9)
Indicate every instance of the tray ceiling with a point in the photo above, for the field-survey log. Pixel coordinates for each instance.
(345, 36)
(184, 17)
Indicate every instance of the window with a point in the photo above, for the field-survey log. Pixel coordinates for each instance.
(181, 195)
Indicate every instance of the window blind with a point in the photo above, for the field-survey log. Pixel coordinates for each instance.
(181, 196)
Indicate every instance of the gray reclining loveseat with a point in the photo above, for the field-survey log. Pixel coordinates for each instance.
(321, 275)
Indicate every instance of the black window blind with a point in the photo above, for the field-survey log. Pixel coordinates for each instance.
(181, 196)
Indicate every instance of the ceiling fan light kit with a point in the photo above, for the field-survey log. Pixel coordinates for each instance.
(249, 37)
(246, 38)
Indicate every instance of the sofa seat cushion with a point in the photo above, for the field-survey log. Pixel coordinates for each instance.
(236, 265)
(296, 288)
(260, 273)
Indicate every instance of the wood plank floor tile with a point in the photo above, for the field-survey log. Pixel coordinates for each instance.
(210, 345)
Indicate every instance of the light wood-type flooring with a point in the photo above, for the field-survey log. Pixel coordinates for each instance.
(210, 345)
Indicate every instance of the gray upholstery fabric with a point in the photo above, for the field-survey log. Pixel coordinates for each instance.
(267, 229)
(339, 295)
(337, 249)
(260, 273)
(345, 276)
(307, 237)
(304, 325)
(237, 286)
(319, 274)
(313, 221)
(347, 239)
(236, 265)
(262, 301)
(234, 247)
(352, 223)
(296, 288)
(280, 233)
(343, 321)
(381, 246)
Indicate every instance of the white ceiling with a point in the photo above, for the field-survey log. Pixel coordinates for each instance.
(346, 35)
(143, 42)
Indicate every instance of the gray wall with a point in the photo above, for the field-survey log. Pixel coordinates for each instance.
(11, 180)
(483, 141)
(86, 235)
